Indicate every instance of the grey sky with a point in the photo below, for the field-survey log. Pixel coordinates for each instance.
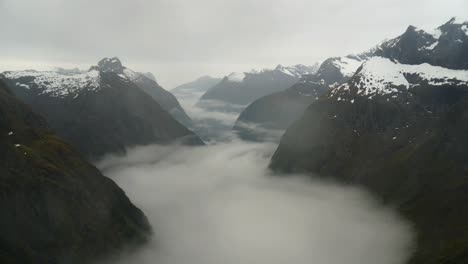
(179, 40)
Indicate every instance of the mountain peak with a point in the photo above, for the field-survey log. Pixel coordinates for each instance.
(279, 67)
(149, 75)
(205, 78)
(111, 65)
(457, 21)
(236, 77)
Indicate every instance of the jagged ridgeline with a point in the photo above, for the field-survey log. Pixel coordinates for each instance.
(445, 46)
(399, 127)
(267, 117)
(240, 89)
(55, 206)
(105, 109)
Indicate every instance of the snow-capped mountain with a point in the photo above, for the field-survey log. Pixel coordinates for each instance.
(103, 110)
(446, 46)
(277, 111)
(298, 70)
(56, 84)
(245, 87)
(381, 77)
(399, 127)
(64, 83)
(148, 83)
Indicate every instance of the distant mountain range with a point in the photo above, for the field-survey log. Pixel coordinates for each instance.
(267, 117)
(199, 86)
(243, 88)
(399, 127)
(104, 110)
(56, 207)
(445, 46)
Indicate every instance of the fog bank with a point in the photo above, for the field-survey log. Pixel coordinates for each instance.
(218, 204)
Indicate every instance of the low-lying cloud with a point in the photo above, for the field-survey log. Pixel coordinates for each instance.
(218, 204)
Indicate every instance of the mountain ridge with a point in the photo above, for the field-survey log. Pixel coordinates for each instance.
(99, 112)
(445, 46)
(56, 207)
(400, 131)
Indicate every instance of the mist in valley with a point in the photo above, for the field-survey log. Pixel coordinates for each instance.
(220, 204)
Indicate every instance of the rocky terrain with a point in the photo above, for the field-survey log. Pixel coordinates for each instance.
(444, 46)
(400, 130)
(267, 117)
(56, 207)
(100, 111)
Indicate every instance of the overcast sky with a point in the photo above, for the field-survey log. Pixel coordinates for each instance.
(179, 40)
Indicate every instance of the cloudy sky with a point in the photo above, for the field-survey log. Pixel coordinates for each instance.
(179, 40)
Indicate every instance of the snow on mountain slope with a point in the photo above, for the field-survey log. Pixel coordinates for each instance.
(236, 77)
(458, 20)
(381, 76)
(347, 65)
(56, 84)
(297, 70)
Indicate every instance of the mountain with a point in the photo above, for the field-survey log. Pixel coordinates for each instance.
(99, 111)
(243, 88)
(199, 86)
(446, 46)
(147, 83)
(56, 207)
(401, 131)
(267, 117)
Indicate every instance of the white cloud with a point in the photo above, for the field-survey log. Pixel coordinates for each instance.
(219, 204)
(180, 40)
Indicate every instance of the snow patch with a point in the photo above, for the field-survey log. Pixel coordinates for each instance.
(432, 46)
(458, 20)
(347, 66)
(131, 75)
(56, 84)
(464, 28)
(236, 77)
(381, 76)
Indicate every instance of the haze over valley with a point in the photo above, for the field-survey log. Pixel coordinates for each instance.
(245, 132)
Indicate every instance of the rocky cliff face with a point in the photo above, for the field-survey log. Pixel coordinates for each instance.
(56, 207)
(400, 130)
(98, 111)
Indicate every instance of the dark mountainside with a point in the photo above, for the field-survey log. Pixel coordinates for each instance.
(279, 110)
(401, 131)
(200, 85)
(56, 207)
(147, 83)
(98, 112)
(445, 46)
(244, 88)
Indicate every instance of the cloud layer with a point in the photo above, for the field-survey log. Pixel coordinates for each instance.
(180, 40)
(218, 204)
